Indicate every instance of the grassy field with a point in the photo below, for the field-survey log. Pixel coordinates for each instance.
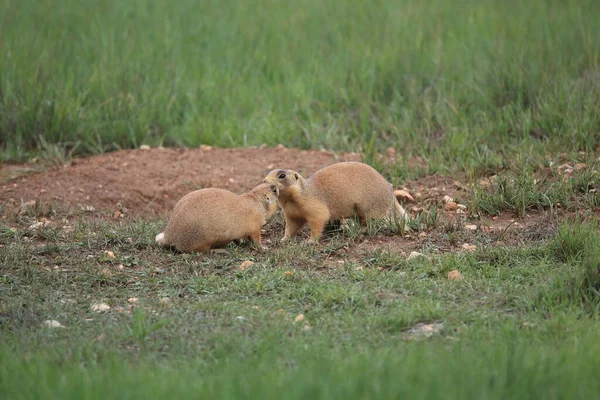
(438, 78)
(476, 88)
(522, 323)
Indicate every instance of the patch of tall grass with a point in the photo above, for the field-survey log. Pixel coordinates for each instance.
(456, 82)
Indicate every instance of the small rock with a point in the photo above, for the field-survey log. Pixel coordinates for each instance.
(29, 204)
(144, 147)
(391, 152)
(245, 265)
(132, 300)
(99, 338)
(50, 323)
(471, 227)
(205, 147)
(288, 273)
(461, 207)
(422, 234)
(404, 195)
(423, 330)
(469, 247)
(454, 275)
(447, 199)
(280, 147)
(413, 255)
(109, 254)
(484, 182)
(165, 300)
(306, 327)
(100, 307)
(451, 206)
(299, 318)
(240, 318)
(39, 224)
(270, 167)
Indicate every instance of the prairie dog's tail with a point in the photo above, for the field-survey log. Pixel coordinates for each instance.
(399, 215)
(400, 211)
(160, 239)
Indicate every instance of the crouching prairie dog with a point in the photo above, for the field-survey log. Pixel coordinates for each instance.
(209, 218)
(336, 192)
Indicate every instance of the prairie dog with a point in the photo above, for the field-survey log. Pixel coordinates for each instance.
(208, 218)
(338, 191)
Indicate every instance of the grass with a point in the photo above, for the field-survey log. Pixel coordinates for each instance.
(509, 328)
(526, 188)
(464, 85)
(507, 92)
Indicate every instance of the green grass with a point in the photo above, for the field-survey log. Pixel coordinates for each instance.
(475, 88)
(522, 323)
(464, 84)
(524, 188)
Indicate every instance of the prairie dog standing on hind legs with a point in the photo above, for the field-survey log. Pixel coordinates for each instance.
(335, 192)
(209, 218)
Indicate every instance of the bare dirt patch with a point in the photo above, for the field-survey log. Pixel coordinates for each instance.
(149, 182)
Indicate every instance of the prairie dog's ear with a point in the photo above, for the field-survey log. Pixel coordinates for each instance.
(275, 190)
(297, 176)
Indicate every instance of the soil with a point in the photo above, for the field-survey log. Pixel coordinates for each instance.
(149, 182)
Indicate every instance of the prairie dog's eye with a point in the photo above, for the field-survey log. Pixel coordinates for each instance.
(281, 176)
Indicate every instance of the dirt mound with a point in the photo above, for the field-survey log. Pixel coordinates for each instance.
(151, 181)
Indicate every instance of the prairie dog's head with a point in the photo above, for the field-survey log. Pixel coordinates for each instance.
(283, 178)
(267, 194)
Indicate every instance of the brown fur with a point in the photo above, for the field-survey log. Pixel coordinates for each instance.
(336, 192)
(210, 218)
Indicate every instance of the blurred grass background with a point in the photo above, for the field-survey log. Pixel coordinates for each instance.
(461, 82)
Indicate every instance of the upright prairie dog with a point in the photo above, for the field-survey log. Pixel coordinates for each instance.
(335, 192)
(209, 218)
